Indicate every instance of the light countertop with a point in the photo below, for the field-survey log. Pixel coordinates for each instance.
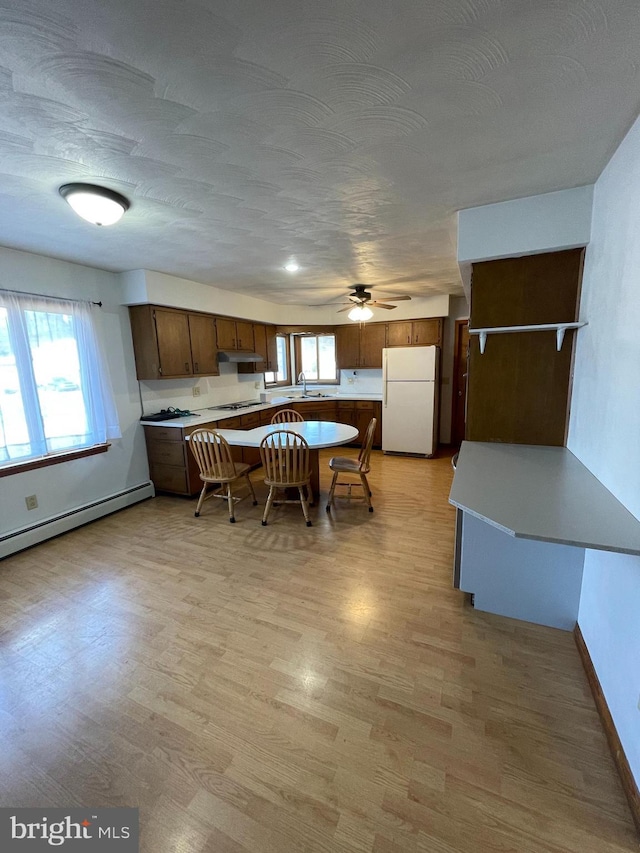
(542, 493)
(203, 416)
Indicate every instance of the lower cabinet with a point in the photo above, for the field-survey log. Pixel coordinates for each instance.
(172, 465)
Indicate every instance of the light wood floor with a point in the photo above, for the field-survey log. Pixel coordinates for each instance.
(296, 689)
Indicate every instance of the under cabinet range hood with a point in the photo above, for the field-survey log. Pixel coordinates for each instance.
(239, 357)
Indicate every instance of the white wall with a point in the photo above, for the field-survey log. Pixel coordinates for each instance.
(70, 485)
(604, 430)
(525, 226)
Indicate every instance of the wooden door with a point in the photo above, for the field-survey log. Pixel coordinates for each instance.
(346, 413)
(174, 347)
(347, 347)
(372, 341)
(426, 333)
(399, 334)
(226, 333)
(204, 354)
(261, 347)
(244, 335)
(459, 402)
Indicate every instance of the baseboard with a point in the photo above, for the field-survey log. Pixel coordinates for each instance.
(18, 540)
(629, 784)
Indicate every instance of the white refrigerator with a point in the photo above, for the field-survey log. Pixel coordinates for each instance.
(410, 400)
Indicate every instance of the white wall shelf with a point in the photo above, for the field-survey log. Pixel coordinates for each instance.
(559, 328)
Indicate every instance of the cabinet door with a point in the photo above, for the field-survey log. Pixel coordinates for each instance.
(399, 334)
(377, 414)
(260, 346)
(272, 349)
(204, 354)
(427, 333)
(226, 333)
(346, 413)
(372, 342)
(244, 335)
(347, 347)
(174, 347)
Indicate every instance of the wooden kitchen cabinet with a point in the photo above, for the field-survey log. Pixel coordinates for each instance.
(420, 333)
(347, 347)
(204, 353)
(168, 343)
(234, 334)
(264, 343)
(360, 346)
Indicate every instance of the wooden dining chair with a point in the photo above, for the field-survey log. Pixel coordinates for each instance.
(216, 465)
(285, 459)
(286, 416)
(359, 467)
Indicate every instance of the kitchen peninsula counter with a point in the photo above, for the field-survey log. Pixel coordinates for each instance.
(525, 515)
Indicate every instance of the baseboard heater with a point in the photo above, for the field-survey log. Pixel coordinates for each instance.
(18, 540)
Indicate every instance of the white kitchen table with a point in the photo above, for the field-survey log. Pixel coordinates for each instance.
(318, 434)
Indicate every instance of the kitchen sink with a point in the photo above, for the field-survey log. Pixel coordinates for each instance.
(309, 396)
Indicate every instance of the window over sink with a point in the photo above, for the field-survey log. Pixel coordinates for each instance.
(316, 357)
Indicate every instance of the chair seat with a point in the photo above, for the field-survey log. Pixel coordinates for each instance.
(344, 464)
(227, 473)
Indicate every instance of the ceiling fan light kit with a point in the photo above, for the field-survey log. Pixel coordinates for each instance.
(360, 313)
(361, 310)
(97, 205)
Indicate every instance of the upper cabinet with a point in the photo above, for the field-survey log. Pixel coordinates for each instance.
(234, 334)
(415, 333)
(264, 343)
(170, 343)
(360, 346)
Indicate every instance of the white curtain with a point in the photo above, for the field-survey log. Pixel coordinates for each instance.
(55, 390)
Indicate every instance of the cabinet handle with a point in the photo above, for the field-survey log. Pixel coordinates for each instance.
(186, 367)
(408, 339)
(196, 369)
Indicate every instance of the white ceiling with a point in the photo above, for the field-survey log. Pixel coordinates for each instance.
(345, 134)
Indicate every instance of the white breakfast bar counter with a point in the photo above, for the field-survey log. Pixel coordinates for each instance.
(525, 515)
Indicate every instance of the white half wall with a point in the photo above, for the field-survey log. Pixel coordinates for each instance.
(604, 430)
(525, 226)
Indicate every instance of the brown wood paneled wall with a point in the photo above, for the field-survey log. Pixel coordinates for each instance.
(519, 389)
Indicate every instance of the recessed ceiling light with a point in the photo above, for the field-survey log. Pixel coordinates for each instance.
(97, 205)
(292, 266)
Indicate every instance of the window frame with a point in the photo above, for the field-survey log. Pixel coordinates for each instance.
(298, 357)
(100, 418)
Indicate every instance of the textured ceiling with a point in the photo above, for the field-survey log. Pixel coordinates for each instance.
(343, 133)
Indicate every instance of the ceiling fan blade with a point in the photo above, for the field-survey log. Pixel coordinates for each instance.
(392, 298)
(357, 299)
(348, 308)
(382, 305)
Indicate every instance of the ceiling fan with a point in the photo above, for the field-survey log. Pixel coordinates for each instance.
(361, 298)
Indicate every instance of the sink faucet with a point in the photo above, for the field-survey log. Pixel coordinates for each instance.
(302, 378)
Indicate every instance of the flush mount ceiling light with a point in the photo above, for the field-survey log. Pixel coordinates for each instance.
(292, 266)
(97, 205)
(360, 313)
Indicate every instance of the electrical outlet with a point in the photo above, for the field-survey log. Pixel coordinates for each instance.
(638, 703)
(196, 390)
(31, 501)
(256, 385)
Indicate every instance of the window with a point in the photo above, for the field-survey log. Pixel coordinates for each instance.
(282, 376)
(55, 395)
(316, 357)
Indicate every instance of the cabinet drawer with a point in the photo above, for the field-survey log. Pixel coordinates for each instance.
(153, 433)
(165, 452)
(230, 423)
(346, 407)
(367, 405)
(250, 421)
(167, 478)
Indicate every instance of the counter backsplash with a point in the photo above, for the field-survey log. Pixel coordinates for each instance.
(231, 387)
